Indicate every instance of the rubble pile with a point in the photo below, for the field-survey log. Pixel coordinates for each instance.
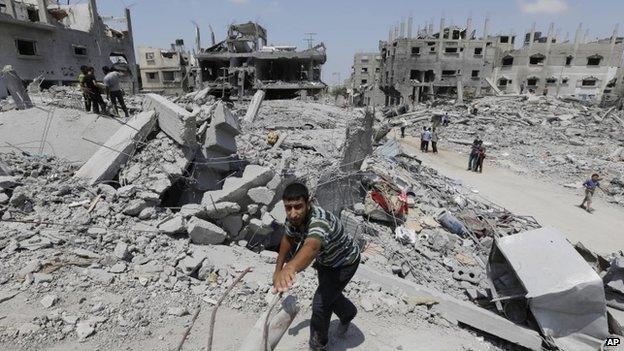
(562, 140)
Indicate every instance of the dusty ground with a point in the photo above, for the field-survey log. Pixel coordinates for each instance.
(551, 204)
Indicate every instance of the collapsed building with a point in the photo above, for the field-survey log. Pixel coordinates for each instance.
(165, 71)
(364, 81)
(47, 41)
(455, 62)
(243, 63)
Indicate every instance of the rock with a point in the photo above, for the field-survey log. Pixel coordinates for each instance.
(48, 301)
(358, 208)
(4, 198)
(28, 328)
(151, 267)
(269, 256)
(42, 278)
(256, 226)
(232, 225)
(84, 329)
(261, 195)
(118, 267)
(279, 212)
(135, 207)
(100, 276)
(366, 304)
(127, 191)
(94, 232)
(121, 251)
(8, 182)
(221, 210)
(189, 264)
(147, 213)
(174, 225)
(30, 267)
(190, 210)
(69, 319)
(177, 311)
(204, 232)
(234, 189)
(252, 209)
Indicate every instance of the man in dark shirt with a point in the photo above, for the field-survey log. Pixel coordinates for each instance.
(474, 154)
(94, 91)
(314, 233)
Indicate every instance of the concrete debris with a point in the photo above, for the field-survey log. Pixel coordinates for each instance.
(204, 232)
(175, 121)
(254, 106)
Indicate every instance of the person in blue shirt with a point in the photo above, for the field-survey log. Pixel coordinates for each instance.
(590, 186)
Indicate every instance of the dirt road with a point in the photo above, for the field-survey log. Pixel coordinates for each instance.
(551, 204)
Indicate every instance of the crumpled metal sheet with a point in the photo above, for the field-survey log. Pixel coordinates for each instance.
(565, 294)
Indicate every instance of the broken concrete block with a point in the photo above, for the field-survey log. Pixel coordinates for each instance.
(175, 121)
(177, 311)
(135, 207)
(358, 142)
(268, 256)
(30, 267)
(221, 209)
(254, 106)
(174, 225)
(252, 209)
(121, 251)
(232, 225)
(48, 301)
(279, 212)
(261, 195)
(204, 232)
(109, 158)
(220, 141)
(190, 210)
(224, 120)
(8, 182)
(189, 264)
(4, 198)
(235, 189)
(84, 329)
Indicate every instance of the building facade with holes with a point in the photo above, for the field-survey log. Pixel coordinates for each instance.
(584, 70)
(165, 71)
(43, 38)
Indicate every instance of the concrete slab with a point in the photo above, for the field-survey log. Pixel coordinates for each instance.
(107, 161)
(175, 121)
(254, 106)
(25, 129)
(235, 189)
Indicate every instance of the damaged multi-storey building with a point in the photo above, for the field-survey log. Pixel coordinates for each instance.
(364, 81)
(455, 62)
(165, 71)
(243, 63)
(48, 41)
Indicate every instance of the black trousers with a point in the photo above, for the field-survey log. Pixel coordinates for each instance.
(402, 132)
(98, 103)
(434, 146)
(329, 299)
(117, 97)
(87, 102)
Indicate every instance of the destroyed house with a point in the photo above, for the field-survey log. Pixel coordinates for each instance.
(44, 39)
(165, 71)
(243, 63)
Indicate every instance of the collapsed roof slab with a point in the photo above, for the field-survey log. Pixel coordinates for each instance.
(175, 121)
(107, 161)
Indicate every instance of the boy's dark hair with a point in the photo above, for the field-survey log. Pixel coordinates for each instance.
(296, 191)
(105, 69)
(83, 69)
(595, 175)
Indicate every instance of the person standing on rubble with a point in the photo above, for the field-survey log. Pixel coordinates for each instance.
(480, 157)
(113, 90)
(474, 153)
(426, 139)
(94, 91)
(590, 186)
(313, 233)
(83, 88)
(422, 139)
(434, 141)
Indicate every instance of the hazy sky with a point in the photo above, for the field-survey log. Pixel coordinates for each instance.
(348, 26)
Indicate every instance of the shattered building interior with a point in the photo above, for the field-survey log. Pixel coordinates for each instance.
(47, 40)
(243, 63)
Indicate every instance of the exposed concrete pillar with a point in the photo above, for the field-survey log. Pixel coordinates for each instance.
(410, 25)
(396, 31)
(197, 39)
(402, 30)
(468, 27)
(431, 28)
(486, 28)
(11, 8)
(441, 37)
(585, 36)
(549, 39)
(42, 6)
(532, 36)
(93, 12)
(577, 37)
(612, 50)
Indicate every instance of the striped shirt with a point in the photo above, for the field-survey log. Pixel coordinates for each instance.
(337, 248)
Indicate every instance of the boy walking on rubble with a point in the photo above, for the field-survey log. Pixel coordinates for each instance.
(474, 154)
(94, 91)
(83, 88)
(426, 139)
(590, 186)
(113, 90)
(314, 234)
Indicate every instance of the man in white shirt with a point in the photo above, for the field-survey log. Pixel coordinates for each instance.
(426, 139)
(115, 94)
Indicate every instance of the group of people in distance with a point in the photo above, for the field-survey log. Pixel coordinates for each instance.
(429, 135)
(92, 90)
